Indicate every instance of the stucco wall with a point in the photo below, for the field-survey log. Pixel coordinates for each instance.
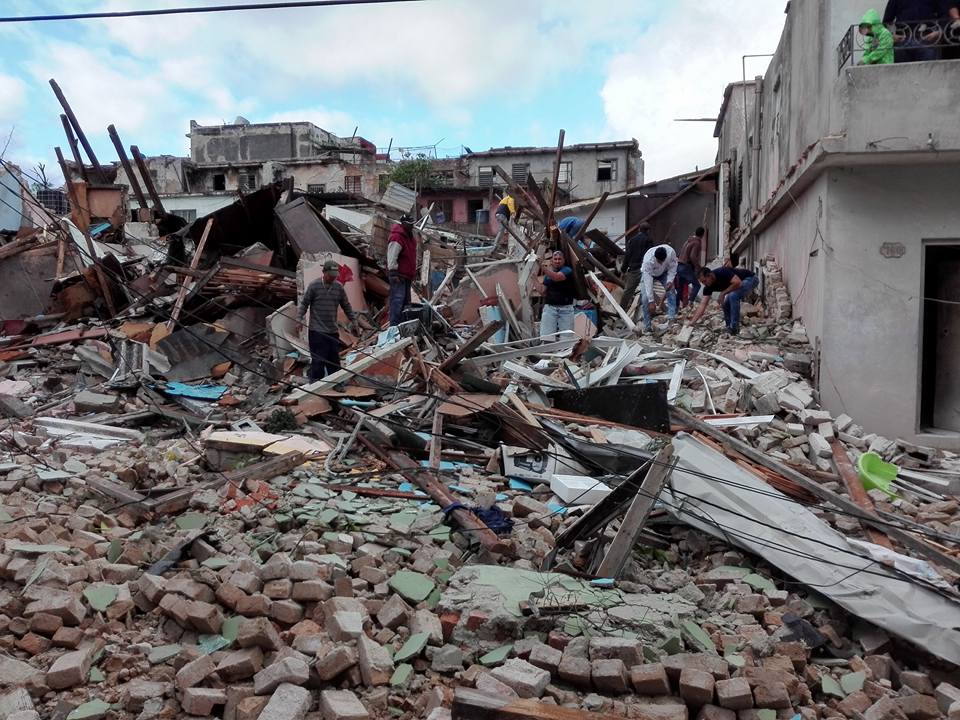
(871, 326)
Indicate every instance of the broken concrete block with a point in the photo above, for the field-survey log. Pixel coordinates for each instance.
(771, 694)
(205, 617)
(291, 670)
(338, 660)
(376, 665)
(575, 670)
(195, 672)
(819, 445)
(70, 669)
(545, 657)
(425, 621)
(89, 401)
(65, 605)
(734, 694)
(288, 702)
(650, 679)
(917, 681)
(394, 612)
(919, 707)
(202, 701)
(240, 664)
(490, 685)
(527, 680)
(814, 417)
(610, 675)
(626, 649)
(341, 705)
(696, 686)
(946, 695)
(258, 632)
(447, 659)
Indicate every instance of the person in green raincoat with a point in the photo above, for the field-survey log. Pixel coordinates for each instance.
(878, 41)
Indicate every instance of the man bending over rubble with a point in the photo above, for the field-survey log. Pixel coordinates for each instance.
(733, 284)
(660, 264)
(558, 295)
(323, 298)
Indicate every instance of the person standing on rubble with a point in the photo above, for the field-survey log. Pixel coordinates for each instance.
(558, 295)
(660, 264)
(324, 296)
(733, 285)
(401, 266)
(636, 248)
(688, 267)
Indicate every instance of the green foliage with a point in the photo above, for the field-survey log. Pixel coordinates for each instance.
(415, 173)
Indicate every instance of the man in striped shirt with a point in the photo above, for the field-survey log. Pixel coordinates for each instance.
(322, 298)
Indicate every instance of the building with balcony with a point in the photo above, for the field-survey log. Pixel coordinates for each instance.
(850, 175)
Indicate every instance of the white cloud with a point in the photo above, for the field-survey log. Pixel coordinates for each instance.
(337, 122)
(12, 96)
(679, 69)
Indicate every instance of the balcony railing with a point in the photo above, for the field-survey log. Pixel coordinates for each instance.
(932, 37)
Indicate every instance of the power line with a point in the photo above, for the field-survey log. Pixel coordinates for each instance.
(285, 5)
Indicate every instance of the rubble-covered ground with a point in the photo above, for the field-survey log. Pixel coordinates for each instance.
(157, 568)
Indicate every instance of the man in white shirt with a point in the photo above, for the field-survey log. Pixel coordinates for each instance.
(659, 263)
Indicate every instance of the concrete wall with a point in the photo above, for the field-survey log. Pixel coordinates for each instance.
(583, 179)
(202, 204)
(612, 218)
(12, 205)
(257, 142)
(170, 175)
(871, 322)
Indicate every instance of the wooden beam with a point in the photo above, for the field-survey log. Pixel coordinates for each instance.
(436, 434)
(74, 148)
(480, 337)
(76, 126)
(147, 179)
(470, 704)
(474, 528)
(919, 546)
(352, 370)
(556, 176)
(127, 168)
(185, 288)
(632, 525)
(856, 491)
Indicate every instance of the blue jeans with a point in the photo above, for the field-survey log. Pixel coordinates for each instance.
(915, 50)
(687, 276)
(399, 297)
(731, 303)
(555, 318)
(324, 355)
(645, 301)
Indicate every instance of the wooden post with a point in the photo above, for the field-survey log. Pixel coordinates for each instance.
(436, 432)
(590, 217)
(633, 521)
(76, 126)
(556, 177)
(482, 335)
(127, 168)
(72, 142)
(147, 179)
(851, 479)
(185, 288)
(84, 213)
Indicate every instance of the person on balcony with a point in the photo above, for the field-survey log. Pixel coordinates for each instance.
(917, 24)
(878, 41)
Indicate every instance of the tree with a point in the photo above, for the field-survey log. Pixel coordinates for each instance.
(415, 174)
(40, 178)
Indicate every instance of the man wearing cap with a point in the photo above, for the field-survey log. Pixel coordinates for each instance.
(322, 298)
(401, 266)
(558, 296)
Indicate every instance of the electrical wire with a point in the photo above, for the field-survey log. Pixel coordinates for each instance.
(280, 5)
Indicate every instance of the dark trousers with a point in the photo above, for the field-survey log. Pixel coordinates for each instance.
(324, 355)
(631, 280)
(399, 298)
(686, 276)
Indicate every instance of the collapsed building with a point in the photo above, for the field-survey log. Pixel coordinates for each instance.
(464, 521)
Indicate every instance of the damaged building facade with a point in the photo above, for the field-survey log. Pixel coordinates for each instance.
(848, 174)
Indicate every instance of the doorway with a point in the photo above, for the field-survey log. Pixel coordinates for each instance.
(940, 328)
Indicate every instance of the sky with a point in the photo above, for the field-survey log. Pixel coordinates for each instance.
(444, 73)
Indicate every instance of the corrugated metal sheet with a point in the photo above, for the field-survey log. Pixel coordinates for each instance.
(399, 197)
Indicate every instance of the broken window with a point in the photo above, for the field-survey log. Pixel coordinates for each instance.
(473, 207)
(219, 182)
(939, 379)
(247, 182)
(566, 173)
(606, 170)
(519, 172)
(316, 188)
(485, 176)
(351, 184)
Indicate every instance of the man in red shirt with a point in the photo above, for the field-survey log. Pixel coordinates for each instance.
(401, 266)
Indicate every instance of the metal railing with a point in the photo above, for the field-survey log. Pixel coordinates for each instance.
(934, 36)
